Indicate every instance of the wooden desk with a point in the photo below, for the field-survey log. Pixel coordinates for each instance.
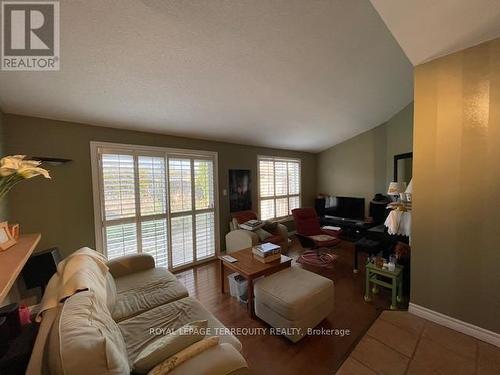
(251, 269)
(13, 259)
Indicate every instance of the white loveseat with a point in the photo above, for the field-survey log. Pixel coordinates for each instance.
(86, 335)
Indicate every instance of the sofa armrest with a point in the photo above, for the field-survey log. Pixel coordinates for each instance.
(240, 239)
(222, 359)
(129, 264)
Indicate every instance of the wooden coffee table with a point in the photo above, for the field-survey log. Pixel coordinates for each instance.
(251, 269)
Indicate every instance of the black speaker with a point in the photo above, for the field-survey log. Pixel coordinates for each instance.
(40, 267)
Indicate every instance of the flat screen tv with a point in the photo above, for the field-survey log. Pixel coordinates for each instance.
(348, 207)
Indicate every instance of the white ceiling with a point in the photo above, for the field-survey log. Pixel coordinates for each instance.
(427, 29)
(292, 74)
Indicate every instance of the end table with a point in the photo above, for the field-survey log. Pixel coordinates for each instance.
(396, 284)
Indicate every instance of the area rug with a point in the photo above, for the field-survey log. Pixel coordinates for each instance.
(311, 258)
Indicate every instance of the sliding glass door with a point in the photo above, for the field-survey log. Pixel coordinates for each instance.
(192, 211)
(156, 201)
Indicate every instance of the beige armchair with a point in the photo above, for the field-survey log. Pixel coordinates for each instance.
(238, 239)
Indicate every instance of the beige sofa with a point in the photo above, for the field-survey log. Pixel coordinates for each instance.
(88, 336)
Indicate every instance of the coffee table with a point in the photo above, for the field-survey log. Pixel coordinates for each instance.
(251, 269)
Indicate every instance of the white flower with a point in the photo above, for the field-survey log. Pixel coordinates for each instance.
(25, 168)
(28, 171)
(10, 164)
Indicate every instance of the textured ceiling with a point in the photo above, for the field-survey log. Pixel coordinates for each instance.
(293, 74)
(427, 29)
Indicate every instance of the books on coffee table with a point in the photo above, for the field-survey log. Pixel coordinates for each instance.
(268, 259)
(266, 252)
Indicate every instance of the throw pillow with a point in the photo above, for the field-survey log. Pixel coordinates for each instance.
(270, 226)
(177, 359)
(263, 234)
(166, 346)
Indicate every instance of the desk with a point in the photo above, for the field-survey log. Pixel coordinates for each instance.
(13, 260)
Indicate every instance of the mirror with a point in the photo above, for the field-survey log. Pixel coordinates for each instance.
(403, 167)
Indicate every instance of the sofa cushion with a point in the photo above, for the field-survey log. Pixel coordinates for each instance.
(144, 290)
(141, 330)
(110, 292)
(89, 341)
(220, 359)
(263, 234)
(294, 292)
(166, 346)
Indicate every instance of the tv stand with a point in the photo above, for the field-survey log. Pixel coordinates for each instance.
(352, 230)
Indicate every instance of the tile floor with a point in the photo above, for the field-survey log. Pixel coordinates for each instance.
(401, 343)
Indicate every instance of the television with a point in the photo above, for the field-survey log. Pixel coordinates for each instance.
(345, 207)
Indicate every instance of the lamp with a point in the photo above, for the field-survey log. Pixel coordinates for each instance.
(409, 191)
(396, 188)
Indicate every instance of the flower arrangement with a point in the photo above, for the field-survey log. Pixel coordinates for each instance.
(16, 168)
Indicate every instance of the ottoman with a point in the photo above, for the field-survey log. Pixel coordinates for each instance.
(293, 300)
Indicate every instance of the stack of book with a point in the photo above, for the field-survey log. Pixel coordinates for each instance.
(252, 225)
(266, 252)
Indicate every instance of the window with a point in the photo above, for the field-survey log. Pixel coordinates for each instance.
(279, 186)
(155, 200)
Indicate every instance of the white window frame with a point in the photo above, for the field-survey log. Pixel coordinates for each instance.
(97, 148)
(275, 159)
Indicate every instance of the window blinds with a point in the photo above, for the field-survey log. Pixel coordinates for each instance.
(279, 186)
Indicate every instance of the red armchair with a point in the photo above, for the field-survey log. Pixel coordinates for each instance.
(309, 231)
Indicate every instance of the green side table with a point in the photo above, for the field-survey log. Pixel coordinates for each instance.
(396, 284)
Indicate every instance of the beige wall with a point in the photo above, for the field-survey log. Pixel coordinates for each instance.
(62, 208)
(363, 165)
(456, 222)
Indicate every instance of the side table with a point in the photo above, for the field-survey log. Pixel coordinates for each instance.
(396, 285)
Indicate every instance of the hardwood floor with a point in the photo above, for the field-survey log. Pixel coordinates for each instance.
(320, 354)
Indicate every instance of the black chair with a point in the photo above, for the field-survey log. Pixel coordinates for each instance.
(40, 267)
(372, 247)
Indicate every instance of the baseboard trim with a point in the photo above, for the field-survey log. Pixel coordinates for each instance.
(479, 333)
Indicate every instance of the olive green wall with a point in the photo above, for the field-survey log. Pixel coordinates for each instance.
(456, 205)
(3, 202)
(62, 208)
(363, 165)
(399, 140)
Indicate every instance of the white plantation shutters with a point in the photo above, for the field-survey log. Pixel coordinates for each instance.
(118, 181)
(155, 201)
(279, 186)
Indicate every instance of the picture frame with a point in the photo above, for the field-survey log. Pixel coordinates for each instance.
(240, 191)
(6, 239)
(14, 231)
